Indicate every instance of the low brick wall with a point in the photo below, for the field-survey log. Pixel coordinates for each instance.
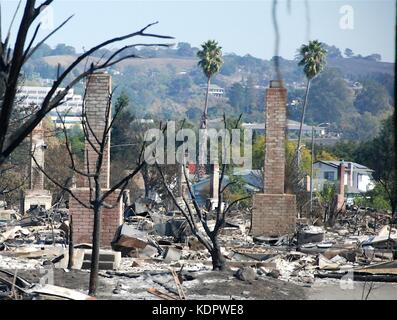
(273, 214)
(83, 218)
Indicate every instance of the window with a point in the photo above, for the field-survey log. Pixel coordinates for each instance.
(329, 175)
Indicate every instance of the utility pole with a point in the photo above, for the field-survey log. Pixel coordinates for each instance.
(312, 166)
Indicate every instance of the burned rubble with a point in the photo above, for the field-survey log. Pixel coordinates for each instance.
(158, 243)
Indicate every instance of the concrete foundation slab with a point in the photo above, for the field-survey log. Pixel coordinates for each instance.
(108, 260)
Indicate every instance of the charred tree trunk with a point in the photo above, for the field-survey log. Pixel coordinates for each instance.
(146, 180)
(96, 241)
(218, 260)
(393, 212)
(71, 244)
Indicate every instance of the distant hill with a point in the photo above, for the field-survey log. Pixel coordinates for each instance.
(360, 67)
(350, 67)
(168, 84)
(147, 63)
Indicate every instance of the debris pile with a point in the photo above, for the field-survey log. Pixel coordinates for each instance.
(39, 226)
(153, 241)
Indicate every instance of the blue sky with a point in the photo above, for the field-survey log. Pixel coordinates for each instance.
(239, 26)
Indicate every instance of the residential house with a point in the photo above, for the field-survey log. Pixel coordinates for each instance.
(252, 179)
(357, 179)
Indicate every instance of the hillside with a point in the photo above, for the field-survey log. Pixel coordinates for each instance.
(168, 84)
(145, 63)
(348, 66)
(360, 67)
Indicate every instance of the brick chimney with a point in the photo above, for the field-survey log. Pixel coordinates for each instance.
(96, 102)
(276, 123)
(99, 88)
(274, 212)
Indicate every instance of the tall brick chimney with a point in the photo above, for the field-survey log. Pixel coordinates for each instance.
(276, 124)
(96, 103)
(274, 212)
(99, 88)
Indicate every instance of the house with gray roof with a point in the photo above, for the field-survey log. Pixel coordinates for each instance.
(358, 178)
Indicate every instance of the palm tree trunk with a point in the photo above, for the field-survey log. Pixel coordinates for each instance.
(204, 126)
(302, 120)
(204, 121)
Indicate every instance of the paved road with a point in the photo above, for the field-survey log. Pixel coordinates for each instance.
(333, 290)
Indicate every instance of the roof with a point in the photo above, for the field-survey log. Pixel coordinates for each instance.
(291, 124)
(336, 164)
(251, 178)
(212, 87)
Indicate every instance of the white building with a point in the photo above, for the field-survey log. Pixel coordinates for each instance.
(67, 120)
(70, 109)
(214, 90)
(358, 178)
(293, 127)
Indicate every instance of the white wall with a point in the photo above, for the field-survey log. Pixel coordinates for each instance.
(362, 182)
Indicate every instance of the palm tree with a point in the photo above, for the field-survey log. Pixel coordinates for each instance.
(313, 61)
(210, 62)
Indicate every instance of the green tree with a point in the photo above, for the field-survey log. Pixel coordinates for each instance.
(229, 68)
(324, 155)
(376, 198)
(330, 98)
(250, 95)
(258, 152)
(237, 190)
(349, 53)
(121, 133)
(236, 96)
(360, 127)
(180, 87)
(44, 51)
(63, 49)
(374, 57)
(312, 60)
(332, 51)
(373, 98)
(344, 150)
(185, 50)
(379, 154)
